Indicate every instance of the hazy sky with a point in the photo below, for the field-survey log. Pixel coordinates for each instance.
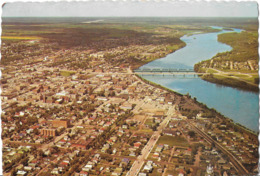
(132, 8)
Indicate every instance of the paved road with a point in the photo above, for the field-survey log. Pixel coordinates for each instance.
(137, 165)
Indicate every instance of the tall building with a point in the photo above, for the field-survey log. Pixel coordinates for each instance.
(61, 123)
(48, 132)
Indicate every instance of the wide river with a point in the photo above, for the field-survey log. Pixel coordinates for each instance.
(241, 106)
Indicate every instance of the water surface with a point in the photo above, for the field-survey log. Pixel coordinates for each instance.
(239, 105)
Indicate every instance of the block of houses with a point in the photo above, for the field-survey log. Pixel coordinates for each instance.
(81, 143)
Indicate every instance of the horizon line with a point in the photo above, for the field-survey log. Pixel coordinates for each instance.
(130, 16)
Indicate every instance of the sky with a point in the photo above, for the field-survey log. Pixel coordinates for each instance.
(161, 8)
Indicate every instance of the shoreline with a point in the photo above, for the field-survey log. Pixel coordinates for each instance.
(226, 80)
(179, 94)
(231, 82)
(236, 84)
(141, 63)
(237, 125)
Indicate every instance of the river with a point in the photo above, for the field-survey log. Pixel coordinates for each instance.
(239, 105)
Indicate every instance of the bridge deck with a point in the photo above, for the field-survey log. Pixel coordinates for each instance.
(169, 73)
(164, 70)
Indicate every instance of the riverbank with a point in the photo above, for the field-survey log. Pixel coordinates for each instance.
(206, 92)
(230, 81)
(237, 68)
(190, 107)
(169, 49)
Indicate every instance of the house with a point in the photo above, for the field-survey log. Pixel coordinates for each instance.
(156, 155)
(124, 126)
(137, 144)
(124, 162)
(28, 168)
(88, 166)
(188, 152)
(142, 174)
(132, 153)
(83, 173)
(55, 171)
(114, 151)
(118, 171)
(21, 172)
(148, 168)
(81, 143)
(105, 148)
(159, 114)
(126, 106)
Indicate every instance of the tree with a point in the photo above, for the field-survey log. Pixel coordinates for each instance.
(191, 134)
(13, 172)
(36, 131)
(109, 151)
(24, 161)
(154, 128)
(55, 149)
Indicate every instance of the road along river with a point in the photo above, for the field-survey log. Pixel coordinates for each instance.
(239, 105)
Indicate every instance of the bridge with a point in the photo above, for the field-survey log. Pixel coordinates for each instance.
(164, 70)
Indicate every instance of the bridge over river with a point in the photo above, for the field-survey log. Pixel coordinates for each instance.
(166, 72)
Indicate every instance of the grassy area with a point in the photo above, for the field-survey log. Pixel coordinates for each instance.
(233, 82)
(209, 70)
(173, 47)
(245, 49)
(67, 73)
(253, 78)
(240, 71)
(173, 141)
(247, 76)
(171, 171)
(149, 122)
(133, 128)
(20, 38)
(146, 130)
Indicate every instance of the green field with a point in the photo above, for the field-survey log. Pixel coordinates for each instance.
(173, 141)
(149, 122)
(233, 82)
(67, 73)
(20, 38)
